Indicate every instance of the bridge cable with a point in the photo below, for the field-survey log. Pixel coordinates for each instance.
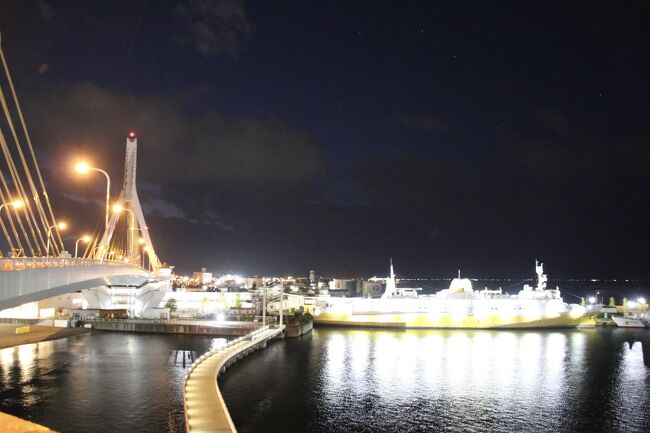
(52, 220)
(39, 235)
(18, 183)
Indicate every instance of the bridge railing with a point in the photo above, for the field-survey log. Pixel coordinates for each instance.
(27, 263)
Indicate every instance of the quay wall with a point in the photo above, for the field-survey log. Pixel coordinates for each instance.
(173, 328)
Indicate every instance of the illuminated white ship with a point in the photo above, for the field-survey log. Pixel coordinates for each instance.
(640, 321)
(459, 306)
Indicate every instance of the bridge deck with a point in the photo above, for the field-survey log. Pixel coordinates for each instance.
(205, 410)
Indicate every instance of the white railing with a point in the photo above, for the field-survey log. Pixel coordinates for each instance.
(26, 263)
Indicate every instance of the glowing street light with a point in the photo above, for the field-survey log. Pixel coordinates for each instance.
(16, 204)
(83, 168)
(592, 300)
(85, 239)
(118, 208)
(641, 301)
(60, 226)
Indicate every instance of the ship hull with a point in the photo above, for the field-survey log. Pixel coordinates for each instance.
(447, 321)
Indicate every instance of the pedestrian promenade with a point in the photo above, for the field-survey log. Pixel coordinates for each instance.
(205, 410)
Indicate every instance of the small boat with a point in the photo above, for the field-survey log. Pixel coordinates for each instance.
(631, 322)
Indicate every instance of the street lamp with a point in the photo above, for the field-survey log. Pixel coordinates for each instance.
(592, 300)
(141, 242)
(82, 168)
(85, 239)
(16, 204)
(60, 226)
(117, 208)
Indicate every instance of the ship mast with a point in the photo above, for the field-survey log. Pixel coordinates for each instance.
(391, 289)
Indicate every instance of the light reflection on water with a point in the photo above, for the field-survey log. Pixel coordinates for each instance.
(342, 380)
(338, 380)
(99, 382)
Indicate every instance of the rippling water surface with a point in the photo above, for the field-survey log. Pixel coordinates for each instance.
(342, 380)
(99, 382)
(445, 381)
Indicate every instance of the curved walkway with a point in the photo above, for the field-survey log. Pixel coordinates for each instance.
(205, 410)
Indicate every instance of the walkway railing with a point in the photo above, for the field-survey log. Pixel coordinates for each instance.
(26, 263)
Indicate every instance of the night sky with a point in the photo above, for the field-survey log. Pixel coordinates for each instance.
(278, 137)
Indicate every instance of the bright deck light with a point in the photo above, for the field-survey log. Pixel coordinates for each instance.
(117, 208)
(62, 225)
(18, 204)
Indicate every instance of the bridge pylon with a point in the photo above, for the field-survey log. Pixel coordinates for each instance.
(136, 225)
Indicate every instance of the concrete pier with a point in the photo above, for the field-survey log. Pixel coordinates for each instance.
(13, 424)
(205, 410)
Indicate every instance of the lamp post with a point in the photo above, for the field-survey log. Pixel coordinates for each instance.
(141, 243)
(84, 238)
(117, 208)
(60, 226)
(16, 204)
(82, 168)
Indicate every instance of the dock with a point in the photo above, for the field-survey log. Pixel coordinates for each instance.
(205, 409)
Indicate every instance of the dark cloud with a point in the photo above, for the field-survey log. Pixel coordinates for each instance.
(425, 122)
(46, 10)
(215, 27)
(178, 147)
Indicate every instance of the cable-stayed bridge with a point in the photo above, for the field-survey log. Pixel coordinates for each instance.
(111, 271)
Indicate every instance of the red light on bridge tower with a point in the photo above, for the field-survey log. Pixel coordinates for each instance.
(132, 135)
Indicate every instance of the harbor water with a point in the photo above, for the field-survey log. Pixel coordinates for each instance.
(345, 380)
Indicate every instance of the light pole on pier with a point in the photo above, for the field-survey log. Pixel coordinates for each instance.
(281, 303)
(83, 168)
(264, 306)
